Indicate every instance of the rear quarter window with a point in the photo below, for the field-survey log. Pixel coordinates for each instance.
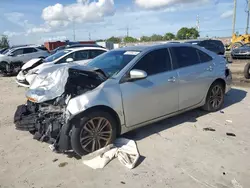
(184, 56)
(203, 56)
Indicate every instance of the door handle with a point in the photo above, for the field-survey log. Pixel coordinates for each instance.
(172, 79)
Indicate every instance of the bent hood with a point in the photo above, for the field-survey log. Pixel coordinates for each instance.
(48, 86)
(30, 64)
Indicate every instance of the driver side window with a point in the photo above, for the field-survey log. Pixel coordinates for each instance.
(63, 60)
(155, 62)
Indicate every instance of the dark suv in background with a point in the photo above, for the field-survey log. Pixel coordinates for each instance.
(210, 44)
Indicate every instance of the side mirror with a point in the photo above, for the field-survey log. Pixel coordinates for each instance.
(11, 54)
(69, 60)
(136, 74)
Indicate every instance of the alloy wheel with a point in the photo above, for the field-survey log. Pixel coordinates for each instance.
(216, 97)
(95, 134)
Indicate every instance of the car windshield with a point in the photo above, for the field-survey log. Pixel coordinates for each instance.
(111, 63)
(6, 51)
(57, 55)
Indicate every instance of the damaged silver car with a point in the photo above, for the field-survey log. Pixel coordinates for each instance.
(84, 108)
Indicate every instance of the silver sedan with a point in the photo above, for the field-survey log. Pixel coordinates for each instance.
(144, 85)
(85, 108)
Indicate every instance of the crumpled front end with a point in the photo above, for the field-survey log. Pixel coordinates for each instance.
(27, 73)
(45, 121)
(45, 113)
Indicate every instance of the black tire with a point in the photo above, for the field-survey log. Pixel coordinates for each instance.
(247, 71)
(210, 100)
(77, 131)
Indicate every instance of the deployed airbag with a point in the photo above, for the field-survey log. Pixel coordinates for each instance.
(124, 149)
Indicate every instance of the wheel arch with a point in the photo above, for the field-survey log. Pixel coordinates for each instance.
(75, 118)
(220, 80)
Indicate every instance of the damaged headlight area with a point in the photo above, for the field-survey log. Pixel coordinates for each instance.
(45, 113)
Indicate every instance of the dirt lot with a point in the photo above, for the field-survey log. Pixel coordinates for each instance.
(175, 152)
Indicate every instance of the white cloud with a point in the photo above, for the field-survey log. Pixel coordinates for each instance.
(83, 11)
(227, 14)
(14, 17)
(38, 30)
(159, 4)
(49, 39)
(18, 19)
(12, 34)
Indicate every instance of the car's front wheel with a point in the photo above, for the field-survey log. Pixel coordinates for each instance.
(215, 97)
(95, 131)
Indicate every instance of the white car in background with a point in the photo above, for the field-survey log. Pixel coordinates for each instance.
(12, 60)
(80, 56)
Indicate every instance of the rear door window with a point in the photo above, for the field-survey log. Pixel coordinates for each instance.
(81, 55)
(184, 56)
(155, 62)
(29, 50)
(18, 52)
(95, 53)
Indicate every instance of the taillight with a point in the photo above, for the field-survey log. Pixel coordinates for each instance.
(227, 72)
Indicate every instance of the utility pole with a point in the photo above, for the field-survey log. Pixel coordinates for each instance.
(234, 16)
(248, 11)
(74, 30)
(198, 23)
(89, 36)
(127, 31)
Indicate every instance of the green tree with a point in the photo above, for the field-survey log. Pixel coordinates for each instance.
(145, 39)
(187, 33)
(156, 37)
(129, 39)
(4, 42)
(194, 33)
(169, 36)
(114, 40)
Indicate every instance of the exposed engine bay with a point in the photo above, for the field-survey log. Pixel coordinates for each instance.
(48, 120)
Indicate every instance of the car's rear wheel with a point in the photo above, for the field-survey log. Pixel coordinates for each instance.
(95, 131)
(215, 97)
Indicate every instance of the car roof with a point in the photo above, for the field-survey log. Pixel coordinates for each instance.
(85, 48)
(200, 40)
(28, 46)
(82, 45)
(152, 47)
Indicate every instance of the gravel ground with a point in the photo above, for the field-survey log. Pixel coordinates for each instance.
(176, 152)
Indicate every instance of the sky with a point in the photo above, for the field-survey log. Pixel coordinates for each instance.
(37, 21)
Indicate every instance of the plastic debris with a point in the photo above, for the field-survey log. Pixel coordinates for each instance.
(222, 112)
(231, 134)
(209, 129)
(63, 164)
(229, 121)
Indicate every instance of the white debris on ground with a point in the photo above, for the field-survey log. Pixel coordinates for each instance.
(124, 149)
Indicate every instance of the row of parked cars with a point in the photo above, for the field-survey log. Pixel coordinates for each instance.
(82, 98)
